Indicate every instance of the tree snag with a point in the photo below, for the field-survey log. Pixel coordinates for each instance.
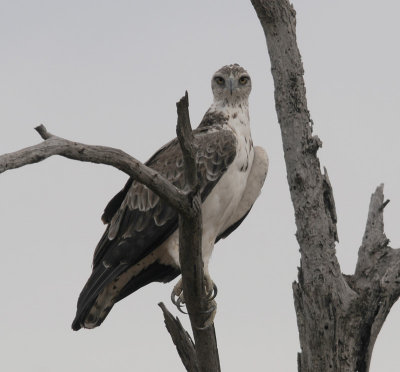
(338, 316)
(190, 256)
(203, 355)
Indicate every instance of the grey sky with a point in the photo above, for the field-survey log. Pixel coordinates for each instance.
(110, 72)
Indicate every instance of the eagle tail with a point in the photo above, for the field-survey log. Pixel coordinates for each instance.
(94, 303)
(100, 278)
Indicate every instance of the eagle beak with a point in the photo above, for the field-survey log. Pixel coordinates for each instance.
(231, 85)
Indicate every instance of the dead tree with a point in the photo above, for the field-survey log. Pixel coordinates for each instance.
(338, 316)
(202, 354)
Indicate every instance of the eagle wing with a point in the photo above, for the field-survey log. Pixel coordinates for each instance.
(139, 220)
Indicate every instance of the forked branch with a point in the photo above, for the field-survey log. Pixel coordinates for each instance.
(54, 145)
(204, 355)
(338, 316)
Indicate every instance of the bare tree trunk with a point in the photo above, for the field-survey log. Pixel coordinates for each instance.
(338, 316)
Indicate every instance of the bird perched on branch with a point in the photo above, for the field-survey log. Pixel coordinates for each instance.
(141, 241)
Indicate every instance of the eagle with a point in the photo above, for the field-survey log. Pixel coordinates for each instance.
(141, 242)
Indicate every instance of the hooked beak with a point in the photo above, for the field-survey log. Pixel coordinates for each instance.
(231, 85)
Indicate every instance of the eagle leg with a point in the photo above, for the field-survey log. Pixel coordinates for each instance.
(178, 299)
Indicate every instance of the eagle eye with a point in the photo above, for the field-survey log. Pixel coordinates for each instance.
(243, 80)
(219, 80)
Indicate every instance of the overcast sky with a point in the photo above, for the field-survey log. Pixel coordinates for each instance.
(109, 73)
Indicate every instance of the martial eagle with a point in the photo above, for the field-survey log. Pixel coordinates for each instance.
(140, 244)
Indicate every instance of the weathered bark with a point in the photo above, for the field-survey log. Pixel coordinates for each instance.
(190, 253)
(181, 339)
(204, 355)
(53, 145)
(338, 316)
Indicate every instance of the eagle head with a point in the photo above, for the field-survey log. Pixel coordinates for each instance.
(231, 84)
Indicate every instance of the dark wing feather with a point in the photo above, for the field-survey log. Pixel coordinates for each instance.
(115, 202)
(139, 221)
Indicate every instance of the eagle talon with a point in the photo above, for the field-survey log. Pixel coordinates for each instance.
(179, 304)
(211, 309)
(213, 293)
(210, 287)
(210, 320)
(177, 297)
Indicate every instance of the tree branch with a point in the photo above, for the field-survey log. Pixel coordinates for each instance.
(181, 339)
(374, 243)
(190, 251)
(186, 141)
(377, 275)
(53, 145)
